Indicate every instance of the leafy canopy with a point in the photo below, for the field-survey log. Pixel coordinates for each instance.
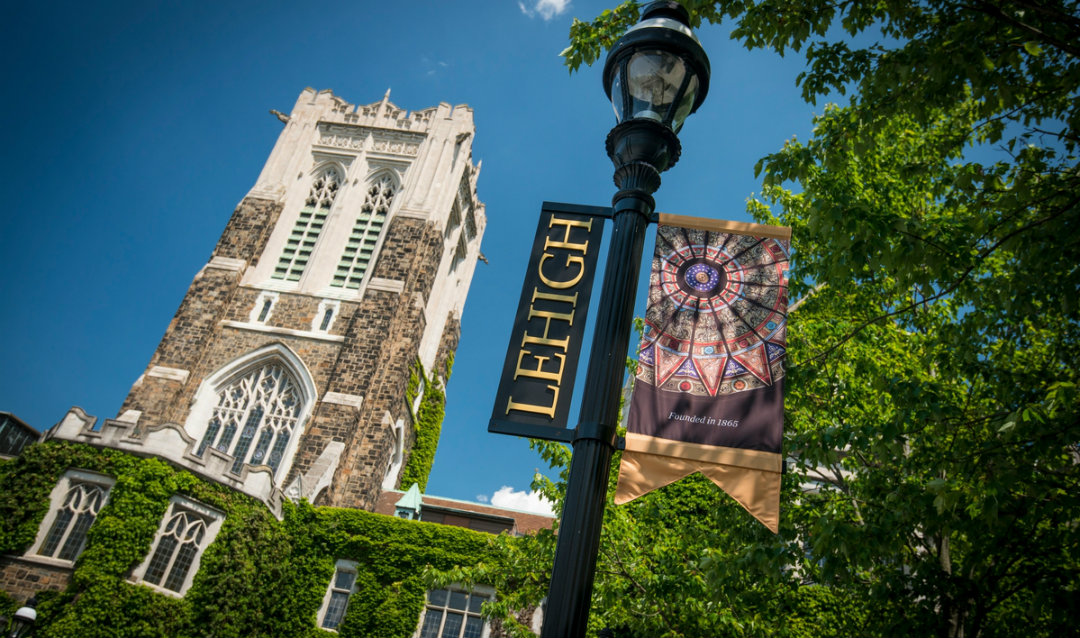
(932, 410)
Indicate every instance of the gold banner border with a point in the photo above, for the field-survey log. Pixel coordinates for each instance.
(726, 226)
(751, 459)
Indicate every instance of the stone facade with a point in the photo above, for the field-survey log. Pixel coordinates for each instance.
(274, 291)
(21, 578)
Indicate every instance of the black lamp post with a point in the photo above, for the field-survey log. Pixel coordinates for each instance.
(656, 75)
(23, 622)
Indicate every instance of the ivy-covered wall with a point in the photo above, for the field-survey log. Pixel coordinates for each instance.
(260, 576)
(428, 422)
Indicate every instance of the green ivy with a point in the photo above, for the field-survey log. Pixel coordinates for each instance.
(428, 423)
(260, 577)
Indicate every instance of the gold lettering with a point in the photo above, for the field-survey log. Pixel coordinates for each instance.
(548, 411)
(565, 243)
(538, 372)
(568, 317)
(559, 285)
(552, 296)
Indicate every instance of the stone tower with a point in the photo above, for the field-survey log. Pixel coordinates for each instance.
(284, 371)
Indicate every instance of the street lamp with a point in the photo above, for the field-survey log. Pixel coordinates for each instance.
(23, 622)
(655, 75)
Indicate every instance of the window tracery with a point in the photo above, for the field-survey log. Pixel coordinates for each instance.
(262, 407)
(360, 247)
(76, 501)
(309, 224)
(176, 550)
(187, 529)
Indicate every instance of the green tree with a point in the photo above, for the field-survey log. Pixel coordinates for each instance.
(933, 411)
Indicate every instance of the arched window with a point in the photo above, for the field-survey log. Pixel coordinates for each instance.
(309, 224)
(360, 248)
(74, 505)
(263, 407)
(187, 529)
(253, 409)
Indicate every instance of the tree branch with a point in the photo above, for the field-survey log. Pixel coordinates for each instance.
(947, 291)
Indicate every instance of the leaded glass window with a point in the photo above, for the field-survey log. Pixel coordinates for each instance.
(255, 417)
(452, 613)
(360, 248)
(309, 224)
(265, 312)
(176, 550)
(13, 439)
(341, 587)
(67, 534)
(187, 529)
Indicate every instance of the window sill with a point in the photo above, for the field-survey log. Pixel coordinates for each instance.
(255, 327)
(37, 559)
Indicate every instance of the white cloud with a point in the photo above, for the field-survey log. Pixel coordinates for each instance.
(482, 498)
(546, 9)
(506, 496)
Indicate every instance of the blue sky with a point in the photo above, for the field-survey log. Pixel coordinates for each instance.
(132, 129)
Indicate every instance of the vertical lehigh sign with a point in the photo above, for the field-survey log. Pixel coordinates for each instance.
(541, 360)
(709, 393)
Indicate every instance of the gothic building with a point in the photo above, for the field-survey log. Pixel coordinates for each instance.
(284, 371)
(285, 398)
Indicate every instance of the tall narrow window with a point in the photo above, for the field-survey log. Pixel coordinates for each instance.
(459, 254)
(187, 529)
(301, 242)
(397, 457)
(76, 501)
(325, 315)
(262, 407)
(452, 613)
(454, 220)
(365, 234)
(265, 311)
(337, 596)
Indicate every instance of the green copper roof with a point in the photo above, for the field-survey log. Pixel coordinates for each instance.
(412, 499)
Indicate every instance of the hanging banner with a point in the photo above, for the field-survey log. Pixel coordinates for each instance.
(541, 361)
(709, 392)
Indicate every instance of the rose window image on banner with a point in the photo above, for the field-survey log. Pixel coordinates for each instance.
(716, 316)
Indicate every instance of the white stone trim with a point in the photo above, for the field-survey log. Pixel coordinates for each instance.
(254, 327)
(213, 525)
(386, 285)
(226, 263)
(172, 374)
(412, 213)
(320, 474)
(130, 416)
(337, 398)
(172, 443)
(279, 285)
(269, 192)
